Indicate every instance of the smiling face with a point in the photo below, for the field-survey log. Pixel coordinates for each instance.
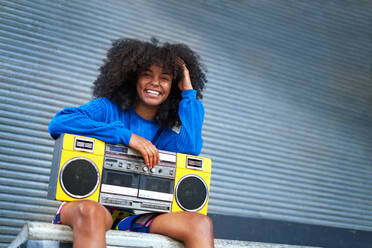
(153, 88)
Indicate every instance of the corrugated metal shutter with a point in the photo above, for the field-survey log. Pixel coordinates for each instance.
(288, 117)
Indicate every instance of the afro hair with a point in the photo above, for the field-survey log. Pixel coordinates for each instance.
(127, 58)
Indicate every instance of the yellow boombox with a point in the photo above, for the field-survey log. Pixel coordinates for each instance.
(114, 175)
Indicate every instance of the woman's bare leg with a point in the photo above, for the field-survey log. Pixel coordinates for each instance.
(89, 221)
(194, 229)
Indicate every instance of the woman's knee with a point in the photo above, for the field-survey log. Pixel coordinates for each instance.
(199, 231)
(200, 224)
(90, 215)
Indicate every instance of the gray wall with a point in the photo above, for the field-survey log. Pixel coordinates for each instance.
(288, 104)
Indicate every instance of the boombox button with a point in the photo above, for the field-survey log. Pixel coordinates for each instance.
(152, 170)
(145, 169)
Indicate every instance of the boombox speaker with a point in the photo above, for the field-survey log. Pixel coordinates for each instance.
(85, 168)
(192, 182)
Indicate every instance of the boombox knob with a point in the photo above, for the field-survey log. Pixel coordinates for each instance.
(145, 169)
(152, 170)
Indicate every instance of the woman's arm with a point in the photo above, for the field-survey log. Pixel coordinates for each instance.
(95, 119)
(100, 119)
(191, 112)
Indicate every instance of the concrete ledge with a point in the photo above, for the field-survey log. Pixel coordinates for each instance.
(37, 231)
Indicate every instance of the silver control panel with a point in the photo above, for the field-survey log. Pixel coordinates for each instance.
(129, 161)
(128, 183)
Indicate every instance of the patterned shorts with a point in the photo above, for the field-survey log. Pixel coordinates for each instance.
(124, 220)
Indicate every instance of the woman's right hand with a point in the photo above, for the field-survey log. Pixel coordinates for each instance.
(185, 83)
(149, 152)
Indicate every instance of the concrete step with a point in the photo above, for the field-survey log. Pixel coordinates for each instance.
(42, 235)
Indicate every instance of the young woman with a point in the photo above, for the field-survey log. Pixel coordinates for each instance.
(146, 97)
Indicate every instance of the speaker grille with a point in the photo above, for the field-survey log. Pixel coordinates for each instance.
(79, 177)
(191, 193)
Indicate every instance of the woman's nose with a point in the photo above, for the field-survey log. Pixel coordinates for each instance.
(155, 80)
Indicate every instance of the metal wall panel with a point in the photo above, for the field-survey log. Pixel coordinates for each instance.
(288, 116)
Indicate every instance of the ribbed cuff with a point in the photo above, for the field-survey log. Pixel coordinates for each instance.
(189, 94)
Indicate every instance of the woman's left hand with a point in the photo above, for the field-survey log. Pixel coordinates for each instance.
(185, 83)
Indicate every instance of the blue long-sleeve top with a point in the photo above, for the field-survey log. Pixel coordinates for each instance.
(105, 120)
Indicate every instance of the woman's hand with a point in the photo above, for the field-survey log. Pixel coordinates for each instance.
(149, 152)
(185, 83)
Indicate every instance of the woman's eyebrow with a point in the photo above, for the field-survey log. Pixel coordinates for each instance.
(163, 72)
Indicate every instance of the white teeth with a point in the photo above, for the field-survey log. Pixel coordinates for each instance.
(153, 92)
